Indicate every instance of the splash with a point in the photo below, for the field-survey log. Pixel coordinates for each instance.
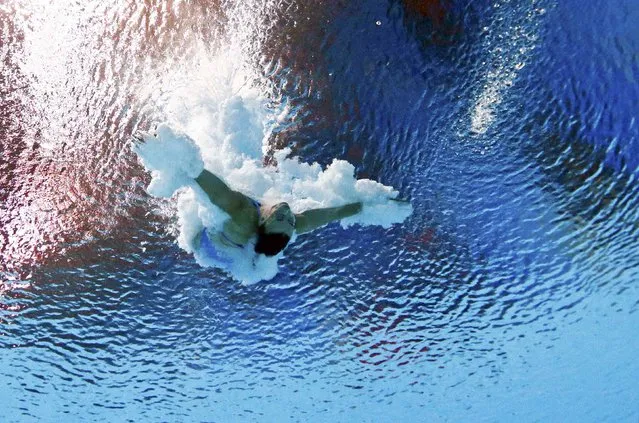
(226, 131)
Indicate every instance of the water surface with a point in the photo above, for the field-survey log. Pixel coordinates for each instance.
(510, 293)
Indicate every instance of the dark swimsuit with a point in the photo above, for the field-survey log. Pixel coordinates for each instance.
(211, 251)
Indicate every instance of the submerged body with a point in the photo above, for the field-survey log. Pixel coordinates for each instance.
(268, 228)
(247, 239)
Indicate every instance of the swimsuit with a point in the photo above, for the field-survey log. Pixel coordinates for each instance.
(209, 248)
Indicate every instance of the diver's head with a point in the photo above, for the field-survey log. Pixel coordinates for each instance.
(275, 229)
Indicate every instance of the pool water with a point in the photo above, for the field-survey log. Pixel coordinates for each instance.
(509, 294)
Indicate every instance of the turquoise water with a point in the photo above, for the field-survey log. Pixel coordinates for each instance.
(510, 293)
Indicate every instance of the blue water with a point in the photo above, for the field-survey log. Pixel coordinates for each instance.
(510, 294)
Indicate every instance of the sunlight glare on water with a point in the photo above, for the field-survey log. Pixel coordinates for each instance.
(508, 124)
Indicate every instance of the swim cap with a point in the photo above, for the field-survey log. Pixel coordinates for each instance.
(279, 219)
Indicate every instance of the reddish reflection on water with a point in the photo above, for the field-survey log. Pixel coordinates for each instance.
(73, 86)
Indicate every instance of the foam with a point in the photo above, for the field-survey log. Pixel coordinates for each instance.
(172, 158)
(226, 132)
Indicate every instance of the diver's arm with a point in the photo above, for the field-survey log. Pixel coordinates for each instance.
(221, 195)
(312, 219)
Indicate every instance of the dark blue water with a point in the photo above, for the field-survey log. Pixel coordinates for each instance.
(510, 294)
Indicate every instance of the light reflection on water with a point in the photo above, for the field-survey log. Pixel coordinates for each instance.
(524, 189)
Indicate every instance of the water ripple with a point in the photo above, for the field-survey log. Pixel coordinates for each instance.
(523, 182)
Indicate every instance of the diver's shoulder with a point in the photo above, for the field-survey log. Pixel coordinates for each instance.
(245, 213)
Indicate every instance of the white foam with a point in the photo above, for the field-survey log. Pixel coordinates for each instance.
(226, 132)
(173, 159)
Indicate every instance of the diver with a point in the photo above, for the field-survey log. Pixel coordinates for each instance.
(273, 224)
(259, 229)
